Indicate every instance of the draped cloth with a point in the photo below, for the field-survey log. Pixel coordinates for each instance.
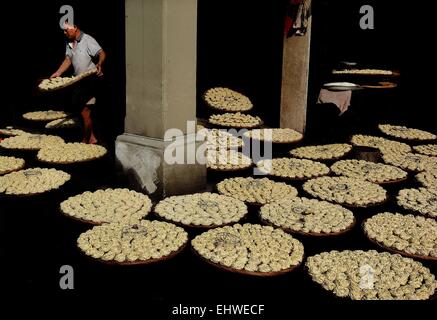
(342, 99)
(296, 20)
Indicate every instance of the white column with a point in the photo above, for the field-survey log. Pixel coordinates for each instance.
(160, 94)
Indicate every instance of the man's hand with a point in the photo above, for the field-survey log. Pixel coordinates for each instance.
(99, 70)
(55, 75)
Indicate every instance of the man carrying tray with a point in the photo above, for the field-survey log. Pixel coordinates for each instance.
(80, 51)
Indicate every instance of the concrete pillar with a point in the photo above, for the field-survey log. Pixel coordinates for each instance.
(160, 95)
(295, 70)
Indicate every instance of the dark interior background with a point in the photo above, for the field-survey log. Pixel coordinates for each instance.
(239, 46)
(401, 40)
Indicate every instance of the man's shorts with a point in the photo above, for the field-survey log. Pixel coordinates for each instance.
(83, 91)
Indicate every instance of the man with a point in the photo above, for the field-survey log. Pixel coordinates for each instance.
(81, 50)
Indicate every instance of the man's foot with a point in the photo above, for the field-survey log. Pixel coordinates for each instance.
(93, 139)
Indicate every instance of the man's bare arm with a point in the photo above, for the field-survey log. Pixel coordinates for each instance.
(64, 67)
(102, 57)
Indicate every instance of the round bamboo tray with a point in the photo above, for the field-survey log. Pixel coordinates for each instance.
(347, 299)
(350, 206)
(45, 121)
(221, 110)
(13, 170)
(247, 273)
(366, 77)
(291, 179)
(200, 226)
(311, 234)
(413, 212)
(221, 126)
(325, 160)
(231, 170)
(78, 163)
(371, 205)
(48, 193)
(390, 182)
(278, 143)
(402, 253)
(253, 204)
(84, 221)
(57, 88)
(69, 84)
(4, 135)
(139, 262)
(396, 181)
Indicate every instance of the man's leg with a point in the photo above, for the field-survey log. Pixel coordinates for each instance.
(89, 136)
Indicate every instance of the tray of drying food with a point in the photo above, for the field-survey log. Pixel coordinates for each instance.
(10, 164)
(31, 182)
(227, 160)
(275, 135)
(71, 153)
(235, 120)
(201, 210)
(368, 71)
(350, 192)
(63, 82)
(408, 235)
(371, 275)
(309, 217)
(220, 139)
(382, 144)
(107, 206)
(333, 151)
(30, 142)
(341, 86)
(374, 172)
(226, 100)
(141, 243)
(422, 201)
(427, 149)
(12, 132)
(405, 133)
(409, 161)
(255, 191)
(45, 116)
(249, 249)
(428, 178)
(64, 123)
(293, 169)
